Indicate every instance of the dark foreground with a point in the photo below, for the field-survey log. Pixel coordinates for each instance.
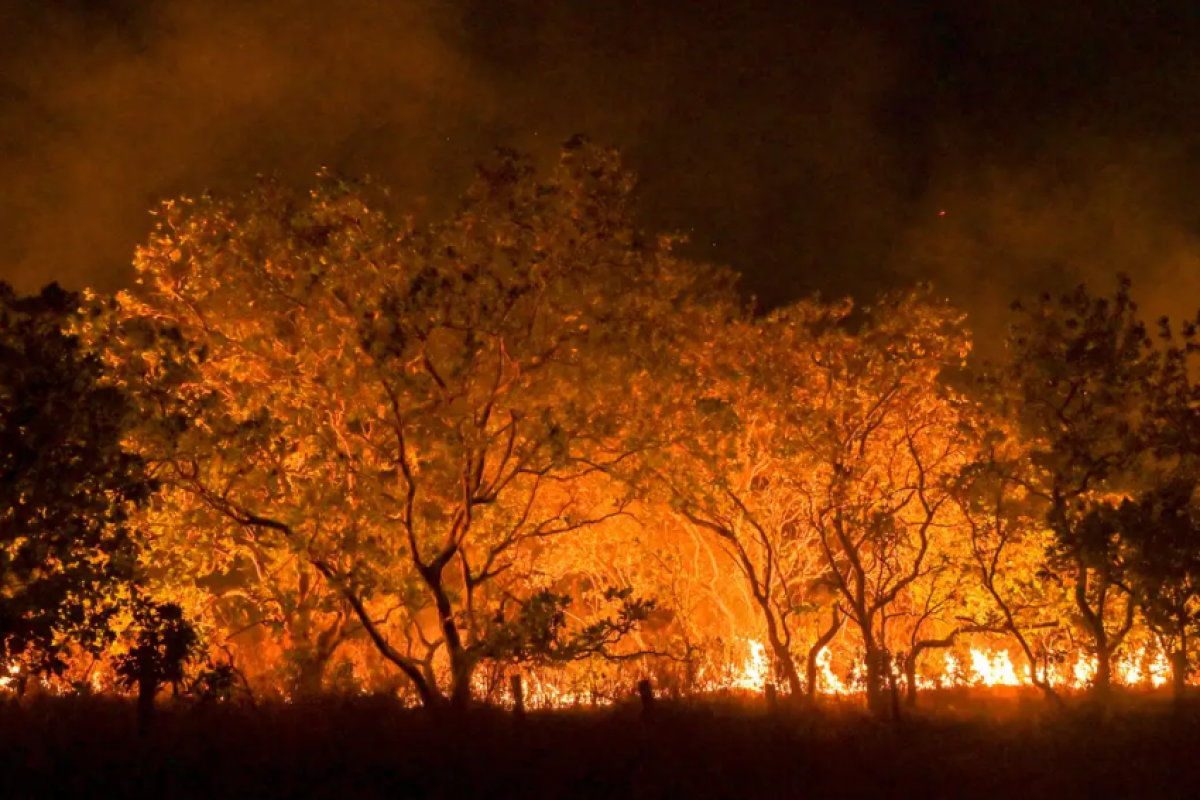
(369, 749)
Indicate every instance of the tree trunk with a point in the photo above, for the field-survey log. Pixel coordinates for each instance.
(815, 651)
(893, 692)
(1105, 642)
(1179, 670)
(518, 696)
(462, 665)
(786, 665)
(811, 671)
(910, 678)
(913, 656)
(876, 697)
(147, 690)
(646, 694)
(460, 697)
(462, 670)
(310, 673)
(1102, 682)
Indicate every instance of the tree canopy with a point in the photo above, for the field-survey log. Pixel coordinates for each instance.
(67, 486)
(347, 449)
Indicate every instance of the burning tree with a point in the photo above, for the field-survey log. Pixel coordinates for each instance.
(725, 473)
(1008, 541)
(819, 458)
(414, 414)
(481, 440)
(877, 439)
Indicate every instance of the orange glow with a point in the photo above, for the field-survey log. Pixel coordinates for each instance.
(755, 671)
(827, 681)
(994, 669)
(8, 680)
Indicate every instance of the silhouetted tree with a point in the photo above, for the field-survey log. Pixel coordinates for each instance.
(1078, 382)
(1160, 538)
(66, 485)
(1007, 540)
(1160, 526)
(162, 644)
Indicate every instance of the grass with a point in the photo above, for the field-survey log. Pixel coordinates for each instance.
(371, 748)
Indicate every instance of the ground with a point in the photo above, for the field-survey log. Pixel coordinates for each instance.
(62, 747)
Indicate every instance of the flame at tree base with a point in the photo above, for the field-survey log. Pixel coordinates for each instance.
(749, 668)
(978, 667)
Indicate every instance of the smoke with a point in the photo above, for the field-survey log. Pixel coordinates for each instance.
(1083, 212)
(810, 146)
(752, 127)
(106, 113)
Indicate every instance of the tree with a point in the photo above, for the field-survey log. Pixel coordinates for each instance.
(412, 413)
(877, 438)
(163, 643)
(66, 485)
(1159, 527)
(1076, 381)
(1161, 543)
(819, 457)
(725, 473)
(1008, 542)
(931, 611)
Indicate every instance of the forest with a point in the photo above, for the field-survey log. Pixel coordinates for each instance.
(528, 455)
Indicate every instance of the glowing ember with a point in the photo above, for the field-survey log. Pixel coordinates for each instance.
(8, 680)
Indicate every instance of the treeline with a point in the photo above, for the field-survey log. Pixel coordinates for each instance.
(319, 445)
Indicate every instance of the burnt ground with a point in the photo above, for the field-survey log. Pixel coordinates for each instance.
(960, 748)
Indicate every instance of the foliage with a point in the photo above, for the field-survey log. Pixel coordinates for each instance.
(162, 644)
(1078, 383)
(427, 447)
(66, 484)
(726, 469)
(411, 414)
(539, 633)
(215, 683)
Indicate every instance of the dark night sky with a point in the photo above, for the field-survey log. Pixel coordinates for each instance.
(811, 145)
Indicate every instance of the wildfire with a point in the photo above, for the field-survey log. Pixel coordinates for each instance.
(1083, 671)
(755, 670)
(994, 669)
(980, 667)
(827, 681)
(1137, 669)
(541, 693)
